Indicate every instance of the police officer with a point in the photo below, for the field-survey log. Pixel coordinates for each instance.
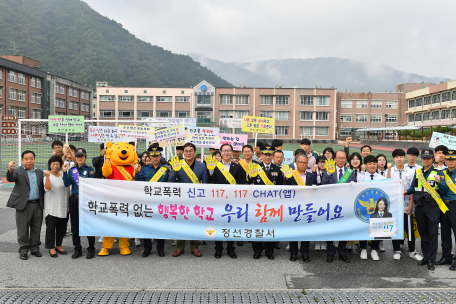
(275, 176)
(427, 210)
(447, 219)
(154, 172)
(71, 178)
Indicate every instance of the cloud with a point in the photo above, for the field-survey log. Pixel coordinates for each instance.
(411, 36)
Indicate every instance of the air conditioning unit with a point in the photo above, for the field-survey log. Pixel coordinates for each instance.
(279, 86)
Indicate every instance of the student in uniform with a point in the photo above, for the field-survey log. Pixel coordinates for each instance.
(382, 165)
(158, 173)
(440, 157)
(446, 180)
(329, 153)
(355, 161)
(306, 144)
(427, 210)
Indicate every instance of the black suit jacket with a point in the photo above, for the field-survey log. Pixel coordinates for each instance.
(274, 175)
(385, 214)
(21, 191)
(311, 179)
(332, 178)
(236, 171)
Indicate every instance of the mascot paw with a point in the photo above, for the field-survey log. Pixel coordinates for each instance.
(104, 252)
(125, 251)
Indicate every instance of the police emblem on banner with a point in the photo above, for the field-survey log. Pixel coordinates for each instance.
(210, 232)
(366, 201)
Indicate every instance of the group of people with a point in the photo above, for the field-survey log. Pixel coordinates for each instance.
(430, 195)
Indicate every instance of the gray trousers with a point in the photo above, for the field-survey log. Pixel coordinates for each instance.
(28, 223)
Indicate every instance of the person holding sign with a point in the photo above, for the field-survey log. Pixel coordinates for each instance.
(446, 180)
(299, 177)
(427, 203)
(265, 174)
(225, 172)
(187, 170)
(156, 173)
(71, 178)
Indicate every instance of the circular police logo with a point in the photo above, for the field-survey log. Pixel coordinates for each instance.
(203, 88)
(366, 201)
(210, 232)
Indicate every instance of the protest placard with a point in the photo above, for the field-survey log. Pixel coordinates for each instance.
(257, 124)
(167, 134)
(65, 124)
(135, 131)
(204, 141)
(104, 134)
(442, 139)
(237, 141)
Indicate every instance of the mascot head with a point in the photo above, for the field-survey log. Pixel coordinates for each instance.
(122, 153)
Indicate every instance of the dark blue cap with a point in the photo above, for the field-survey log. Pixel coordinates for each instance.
(427, 153)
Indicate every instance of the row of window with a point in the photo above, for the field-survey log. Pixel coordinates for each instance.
(15, 94)
(363, 117)
(130, 114)
(123, 98)
(72, 105)
(447, 96)
(21, 78)
(20, 112)
(280, 100)
(71, 92)
(434, 115)
(364, 104)
(145, 91)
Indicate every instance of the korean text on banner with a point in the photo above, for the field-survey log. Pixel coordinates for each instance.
(442, 139)
(383, 227)
(164, 122)
(204, 141)
(230, 123)
(235, 212)
(257, 124)
(235, 140)
(66, 124)
(167, 134)
(104, 134)
(202, 131)
(135, 131)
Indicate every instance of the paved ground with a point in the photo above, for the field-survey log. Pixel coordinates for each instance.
(188, 272)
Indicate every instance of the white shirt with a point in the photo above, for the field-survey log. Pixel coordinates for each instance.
(380, 214)
(406, 175)
(267, 167)
(382, 173)
(414, 167)
(444, 166)
(56, 199)
(227, 166)
(376, 176)
(359, 175)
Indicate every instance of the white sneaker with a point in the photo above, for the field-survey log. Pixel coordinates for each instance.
(397, 255)
(381, 248)
(100, 240)
(288, 247)
(174, 243)
(363, 254)
(415, 255)
(299, 245)
(137, 242)
(350, 248)
(336, 244)
(374, 255)
(317, 246)
(323, 246)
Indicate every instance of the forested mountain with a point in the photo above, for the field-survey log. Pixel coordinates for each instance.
(72, 40)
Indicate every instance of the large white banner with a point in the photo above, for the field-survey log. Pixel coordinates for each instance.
(238, 212)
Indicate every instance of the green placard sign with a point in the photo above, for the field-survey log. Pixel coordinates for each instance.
(66, 124)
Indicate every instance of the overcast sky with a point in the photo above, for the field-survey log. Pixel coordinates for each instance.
(412, 36)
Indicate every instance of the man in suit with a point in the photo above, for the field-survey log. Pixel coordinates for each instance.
(234, 175)
(335, 178)
(187, 171)
(272, 176)
(28, 200)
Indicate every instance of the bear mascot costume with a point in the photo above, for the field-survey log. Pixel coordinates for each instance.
(118, 165)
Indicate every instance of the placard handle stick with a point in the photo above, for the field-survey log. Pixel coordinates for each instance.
(256, 135)
(66, 139)
(202, 154)
(409, 228)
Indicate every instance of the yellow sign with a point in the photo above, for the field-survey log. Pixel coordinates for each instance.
(257, 124)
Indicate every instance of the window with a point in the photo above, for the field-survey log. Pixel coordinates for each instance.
(240, 114)
(164, 98)
(203, 100)
(411, 103)
(426, 116)
(376, 104)
(226, 99)
(306, 116)
(62, 103)
(321, 131)
(1, 107)
(418, 117)
(242, 99)
(266, 100)
(435, 115)
(126, 98)
(226, 114)
(83, 95)
(70, 105)
(454, 95)
(62, 89)
(307, 100)
(38, 84)
(361, 104)
(446, 96)
(419, 102)
(21, 112)
(12, 77)
(126, 114)
(1, 92)
(126, 91)
(427, 100)
(376, 117)
(182, 98)
(345, 117)
(346, 132)
(269, 114)
(12, 111)
(164, 91)
(322, 100)
(145, 114)
(445, 114)
(346, 104)
(391, 118)
(145, 98)
(435, 98)
(282, 101)
(76, 106)
(391, 104)
(56, 102)
(145, 91)
(107, 114)
(12, 94)
(361, 117)
(32, 98)
(164, 114)
(21, 79)
(75, 93)
(32, 81)
(183, 114)
(453, 113)
(38, 98)
(21, 95)
(322, 116)
(239, 131)
(108, 98)
(281, 115)
(70, 92)
(305, 131)
(1, 75)
(182, 92)
(203, 116)
(282, 130)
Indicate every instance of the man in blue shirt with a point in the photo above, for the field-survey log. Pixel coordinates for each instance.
(158, 173)
(71, 178)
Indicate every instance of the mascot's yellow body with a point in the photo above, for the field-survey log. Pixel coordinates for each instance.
(118, 165)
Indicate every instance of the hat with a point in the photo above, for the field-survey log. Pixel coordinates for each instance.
(267, 149)
(80, 152)
(427, 153)
(155, 149)
(450, 154)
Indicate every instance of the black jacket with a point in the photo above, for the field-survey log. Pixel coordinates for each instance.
(311, 179)
(236, 171)
(274, 175)
(97, 163)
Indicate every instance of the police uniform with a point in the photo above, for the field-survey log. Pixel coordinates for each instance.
(84, 171)
(275, 175)
(447, 219)
(427, 212)
(146, 174)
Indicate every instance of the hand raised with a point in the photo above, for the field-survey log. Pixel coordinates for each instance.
(65, 167)
(46, 173)
(137, 167)
(211, 162)
(330, 166)
(11, 165)
(175, 163)
(253, 169)
(287, 171)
